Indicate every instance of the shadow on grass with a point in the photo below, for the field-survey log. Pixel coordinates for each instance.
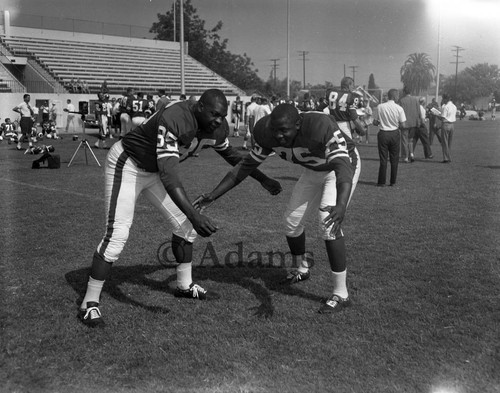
(260, 281)
(120, 274)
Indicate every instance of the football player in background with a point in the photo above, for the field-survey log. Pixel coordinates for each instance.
(139, 107)
(8, 130)
(126, 111)
(237, 111)
(331, 167)
(151, 106)
(101, 110)
(342, 105)
(145, 161)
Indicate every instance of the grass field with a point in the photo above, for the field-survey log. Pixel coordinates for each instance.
(423, 273)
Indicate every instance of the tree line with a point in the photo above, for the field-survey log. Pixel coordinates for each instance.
(209, 48)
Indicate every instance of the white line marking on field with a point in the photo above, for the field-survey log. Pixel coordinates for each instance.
(92, 196)
(50, 188)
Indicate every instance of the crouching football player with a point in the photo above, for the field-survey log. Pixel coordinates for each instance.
(145, 161)
(330, 174)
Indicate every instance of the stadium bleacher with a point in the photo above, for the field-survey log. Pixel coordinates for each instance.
(145, 66)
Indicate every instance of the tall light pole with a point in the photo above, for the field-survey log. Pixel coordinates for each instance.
(438, 53)
(288, 49)
(183, 88)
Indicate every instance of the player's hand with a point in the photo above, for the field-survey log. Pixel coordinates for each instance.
(203, 202)
(273, 186)
(334, 218)
(203, 225)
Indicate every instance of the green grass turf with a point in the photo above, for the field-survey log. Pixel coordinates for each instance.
(423, 273)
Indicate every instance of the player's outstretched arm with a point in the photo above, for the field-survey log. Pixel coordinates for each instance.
(234, 177)
(170, 179)
(233, 157)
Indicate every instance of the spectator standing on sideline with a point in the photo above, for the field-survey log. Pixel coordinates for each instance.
(262, 110)
(343, 105)
(448, 118)
(390, 118)
(146, 161)
(70, 119)
(45, 112)
(53, 113)
(411, 107)
(250, 120)
(328, 180)
(26, 122)
(434, 125)
(422, 133)
(493, 108)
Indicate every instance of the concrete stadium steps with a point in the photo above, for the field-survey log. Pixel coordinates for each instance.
(122, 66)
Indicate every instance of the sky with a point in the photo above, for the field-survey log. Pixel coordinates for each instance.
(328, 38)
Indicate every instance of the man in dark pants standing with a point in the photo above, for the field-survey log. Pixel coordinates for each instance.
(390, 117)
(411, 106)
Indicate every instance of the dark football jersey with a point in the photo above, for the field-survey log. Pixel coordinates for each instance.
(318, 142)
(342, 105)
(161, 135)
(139, 107)
(172, 132)
(100, 108)
(126, 104)
(237, 106)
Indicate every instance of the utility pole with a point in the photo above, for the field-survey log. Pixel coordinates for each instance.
(274, 67)
(457, 50)
(353, 72)
(304, 53)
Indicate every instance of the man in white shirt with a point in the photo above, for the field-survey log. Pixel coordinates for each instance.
(70, 109)
(390, 117)
(250, 118)
(448, 118)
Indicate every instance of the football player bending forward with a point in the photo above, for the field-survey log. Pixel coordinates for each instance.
(145, 161)
(331, 167)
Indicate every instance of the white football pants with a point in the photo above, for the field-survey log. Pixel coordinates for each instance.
(126, 124)
(124, 182)
(314, 190)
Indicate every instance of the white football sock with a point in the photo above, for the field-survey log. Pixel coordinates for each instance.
(94, 288)
(339, 284)
(304, 265)
(184, 278)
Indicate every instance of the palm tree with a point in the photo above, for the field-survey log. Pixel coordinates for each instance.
(417, 72)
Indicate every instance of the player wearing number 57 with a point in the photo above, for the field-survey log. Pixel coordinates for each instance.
(331, 167)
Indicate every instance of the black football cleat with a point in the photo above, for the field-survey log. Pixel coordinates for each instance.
(295, 276)
(334, 304)
(193, 292)
(91, 316)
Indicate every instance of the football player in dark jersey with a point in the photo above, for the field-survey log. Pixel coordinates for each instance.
(237, 109)
(139, 107)
(126, 111)
(343, 105)
(151, 106)
(330, 174)
(145, 162)
(8, 131)
(101, 115)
